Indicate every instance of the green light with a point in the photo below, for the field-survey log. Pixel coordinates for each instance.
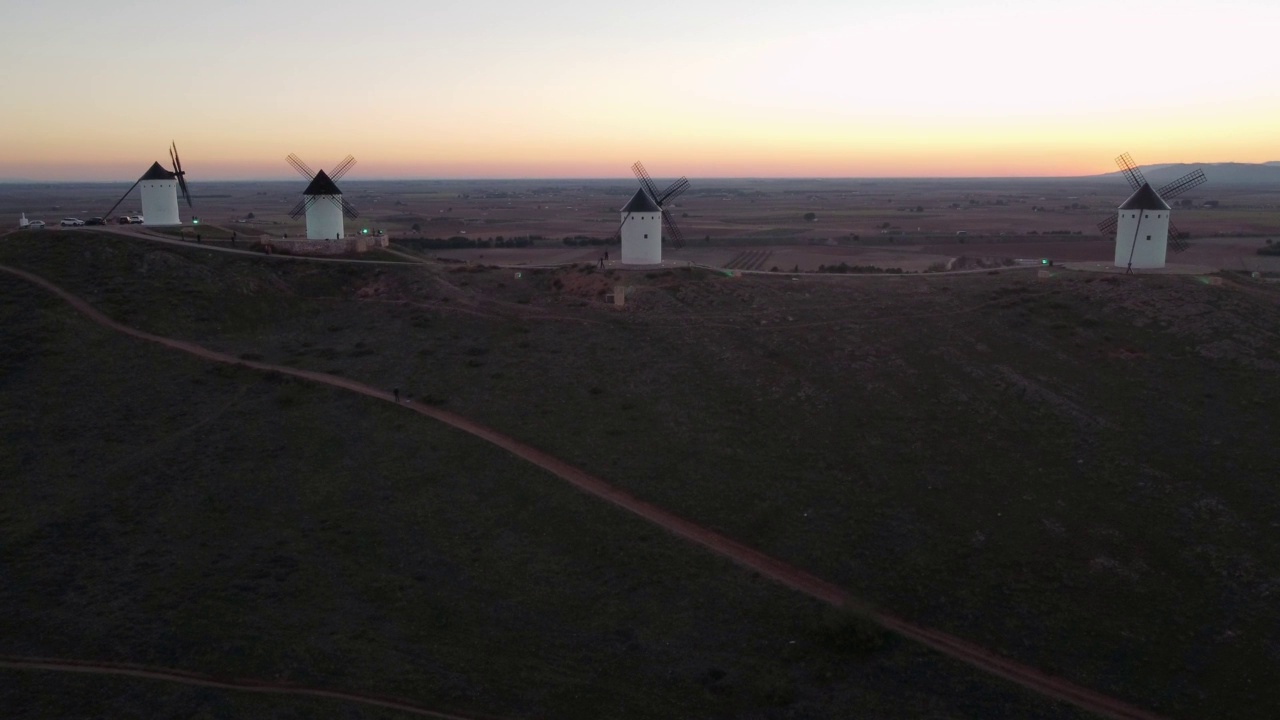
(1044, 261)
(195, 220)
(364, 231)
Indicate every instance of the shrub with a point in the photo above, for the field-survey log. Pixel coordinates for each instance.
(778, 691)
(843, 268)
(851, 631)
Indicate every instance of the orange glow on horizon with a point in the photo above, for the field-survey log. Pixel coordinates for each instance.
(909, 89)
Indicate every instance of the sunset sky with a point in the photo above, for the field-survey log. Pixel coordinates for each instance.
(568, 88)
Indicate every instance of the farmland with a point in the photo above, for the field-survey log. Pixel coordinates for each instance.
(911, 224)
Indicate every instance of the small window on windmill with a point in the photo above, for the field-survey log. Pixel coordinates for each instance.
(646, 236)
(1148, 237)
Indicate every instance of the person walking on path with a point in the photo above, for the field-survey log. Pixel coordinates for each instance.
(397, 392)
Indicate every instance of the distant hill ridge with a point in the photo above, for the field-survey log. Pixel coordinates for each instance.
(1229, 173)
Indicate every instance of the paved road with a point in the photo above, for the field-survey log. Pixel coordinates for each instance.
(754, 560)
(140, 233)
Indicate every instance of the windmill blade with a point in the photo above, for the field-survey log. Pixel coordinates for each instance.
(669, 223)
(302, 207)
(342, 168)
(1176, 242)
(107, 215)
(173, 155)
(300, 166)
(645, 181)
(180, 173)
(1108, 226)
(347, 209)
(673, 191)
(1192, 179)
(182, 183)
(1131, 171)
(617, 234)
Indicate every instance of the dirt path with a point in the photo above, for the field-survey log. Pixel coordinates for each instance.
(407, 256)
(744, 556)
(244, 685)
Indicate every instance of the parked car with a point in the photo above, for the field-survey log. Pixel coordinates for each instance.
(135, 219)
(72, 222)
(35, 225)
(123, 220)
(95, 221)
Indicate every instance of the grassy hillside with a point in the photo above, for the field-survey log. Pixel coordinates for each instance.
(165, 511)
(1076, 472)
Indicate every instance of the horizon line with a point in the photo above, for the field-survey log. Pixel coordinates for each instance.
(482, 178)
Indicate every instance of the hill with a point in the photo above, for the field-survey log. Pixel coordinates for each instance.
(1074, 472)
(1253, 174)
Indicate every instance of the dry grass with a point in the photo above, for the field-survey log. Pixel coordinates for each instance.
(1075, 472)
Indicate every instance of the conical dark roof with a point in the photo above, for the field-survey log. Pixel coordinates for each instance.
(641, 202)
(322, 185)
(157, 172)
(1145, 199)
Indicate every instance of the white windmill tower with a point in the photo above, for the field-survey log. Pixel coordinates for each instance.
(641, 231)
(644, 217)
(160, 192)
(1142, 226)
(322, 200)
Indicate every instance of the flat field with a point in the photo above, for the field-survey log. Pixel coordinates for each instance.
(910, 224)
(1076, 472)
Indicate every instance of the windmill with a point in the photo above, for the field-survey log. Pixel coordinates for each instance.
(322, 201)
(160, 192)
(644, 217)
(1142, 226)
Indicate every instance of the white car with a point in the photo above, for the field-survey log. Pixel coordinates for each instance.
(72, 222)
(135, 220)
(36, 225)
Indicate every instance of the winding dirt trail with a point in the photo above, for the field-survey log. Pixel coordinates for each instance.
(749, 558)
(183, 677)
